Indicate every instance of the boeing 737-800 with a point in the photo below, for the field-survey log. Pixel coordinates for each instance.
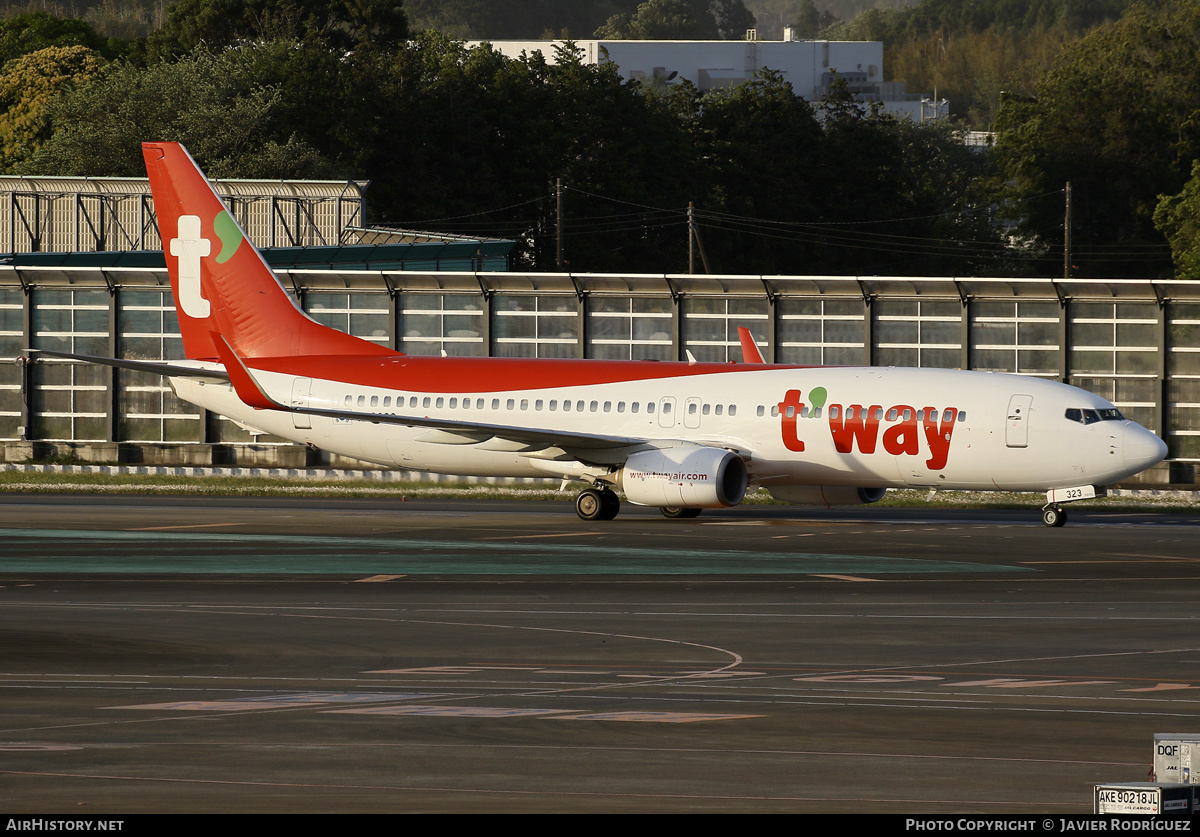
(681, 436)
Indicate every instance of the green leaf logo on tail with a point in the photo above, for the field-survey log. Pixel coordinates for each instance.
(231, 237)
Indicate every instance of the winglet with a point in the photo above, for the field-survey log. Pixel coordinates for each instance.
(244, 384)
(750, 352)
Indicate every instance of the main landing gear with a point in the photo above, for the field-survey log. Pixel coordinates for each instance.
(602, 503)
(597, 504)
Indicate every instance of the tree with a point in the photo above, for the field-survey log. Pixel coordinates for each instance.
(27, 86)
(810, 21)
(1178, 218)
(216, 105)
(35, 31)
(1117, 118)
(685, 20)
(343, 25)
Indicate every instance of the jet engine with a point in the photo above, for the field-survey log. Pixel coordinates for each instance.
(826, 495)
(684, 477)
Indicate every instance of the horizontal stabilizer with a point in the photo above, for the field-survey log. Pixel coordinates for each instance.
(170, 368)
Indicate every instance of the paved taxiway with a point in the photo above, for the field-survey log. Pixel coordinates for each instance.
(174, 654)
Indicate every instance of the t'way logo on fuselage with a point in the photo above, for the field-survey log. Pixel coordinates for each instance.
(857, 426)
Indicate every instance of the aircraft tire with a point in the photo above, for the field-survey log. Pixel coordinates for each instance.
(597, 504)
(1054, 518)
(678, 513)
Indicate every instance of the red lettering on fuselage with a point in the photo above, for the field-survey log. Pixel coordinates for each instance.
(939, 439)
(789, 411)
(854, 424)
(901, 438)
(857, 428)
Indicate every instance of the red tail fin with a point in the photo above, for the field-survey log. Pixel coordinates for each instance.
(220, 281)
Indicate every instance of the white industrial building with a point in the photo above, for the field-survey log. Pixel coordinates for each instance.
(808, 65)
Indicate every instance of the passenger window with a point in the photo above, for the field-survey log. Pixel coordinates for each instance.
(733, 409)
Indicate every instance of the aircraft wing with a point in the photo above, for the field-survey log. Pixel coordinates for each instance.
(529, 441)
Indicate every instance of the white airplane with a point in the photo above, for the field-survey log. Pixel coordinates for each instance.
(679, 436)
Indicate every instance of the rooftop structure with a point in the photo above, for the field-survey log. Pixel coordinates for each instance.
(809, 66)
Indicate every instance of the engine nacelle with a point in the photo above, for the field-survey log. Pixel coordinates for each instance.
(684, 477)
(826, 495)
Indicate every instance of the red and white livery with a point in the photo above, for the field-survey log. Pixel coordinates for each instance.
(679, 436)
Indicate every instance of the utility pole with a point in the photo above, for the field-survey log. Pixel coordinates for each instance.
(694, 242)
(558, 259)
(691, 240)
(1067, 235)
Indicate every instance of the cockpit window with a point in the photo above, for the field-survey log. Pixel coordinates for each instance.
(1085, 416)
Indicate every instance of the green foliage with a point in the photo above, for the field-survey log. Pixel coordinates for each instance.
(810, 22)
(1118, 116)
(684, 20)
(215, 105)
(27, 86)
(33, 31)
(513, 19)
(969, 52)
(1178, 218)
(335, 24)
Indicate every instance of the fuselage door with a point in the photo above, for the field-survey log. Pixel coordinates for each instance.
(301, 390)
(691, 413)
(1016, 429)
(666, 411)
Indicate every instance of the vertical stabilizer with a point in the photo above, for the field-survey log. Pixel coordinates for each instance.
(220, 281)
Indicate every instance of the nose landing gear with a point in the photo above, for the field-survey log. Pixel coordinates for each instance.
(1054, 517)
(1053, 514)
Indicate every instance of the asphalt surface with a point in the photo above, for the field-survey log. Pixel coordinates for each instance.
(277, 655)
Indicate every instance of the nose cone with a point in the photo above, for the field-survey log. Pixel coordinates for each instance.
(1142, 448)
